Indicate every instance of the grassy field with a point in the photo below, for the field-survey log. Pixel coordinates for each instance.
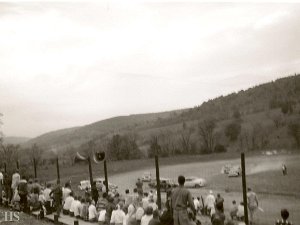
(274, 190)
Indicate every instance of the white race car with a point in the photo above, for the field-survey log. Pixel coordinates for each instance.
(235, 171)
(146, 177)
(194, 182)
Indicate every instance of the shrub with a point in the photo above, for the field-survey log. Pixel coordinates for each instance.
(220, 148)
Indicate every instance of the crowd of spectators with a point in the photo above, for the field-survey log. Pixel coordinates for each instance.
(113, 208)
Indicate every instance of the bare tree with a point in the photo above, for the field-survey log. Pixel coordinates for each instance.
(35, 153)
(9, 155)
(207, 134)
(185, 139)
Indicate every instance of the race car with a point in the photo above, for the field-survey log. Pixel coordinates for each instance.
(225, 169)
(194, 182)
(146, 177)
(235, 171)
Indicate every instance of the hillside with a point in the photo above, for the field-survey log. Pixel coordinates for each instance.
(78, 135)
(15, 140)
(261, 115)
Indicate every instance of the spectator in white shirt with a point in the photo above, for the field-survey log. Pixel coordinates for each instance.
(139, 213)
(145, 201)
(47, 198)
(74, 209)
(47, 193)
(152, 204)
(93, 214)
(148, 216)
(15, 180)
(117, 216)
(130, 217)
(210, 203)
(66, 191)
(67, 204)
(197, 204)
(101, 219)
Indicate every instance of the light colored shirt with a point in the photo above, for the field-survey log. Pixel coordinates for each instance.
(92, 212)
(145, 202)
(68, 202)
(102, 216)
(66, 192)
(117, 216)
(128, 199)
(146, 219)
(75, 207)
(196, 203)
(240, 211)
(47, 194)
(15, 180)
(139, 213)
(210, 201)
(41, 198)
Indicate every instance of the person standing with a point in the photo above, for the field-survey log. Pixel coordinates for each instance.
(210, 203)
(47, 192)
(218, 217)
(1, 186)
(252, 203)
(7, 188)
(94, 192)
(23, 192)
(284, 170)
(57, 195)
(181, 199)
(139, 187)
(66, 191)
(197, 204)
(220, 201)
(15, 181)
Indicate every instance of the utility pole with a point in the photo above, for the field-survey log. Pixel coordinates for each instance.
(57, 170)
(244, 188)
(105, 175)
(90, 170)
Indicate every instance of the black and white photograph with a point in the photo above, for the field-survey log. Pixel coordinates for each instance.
(149, 112)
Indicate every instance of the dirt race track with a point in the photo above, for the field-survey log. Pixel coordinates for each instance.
(274, 190)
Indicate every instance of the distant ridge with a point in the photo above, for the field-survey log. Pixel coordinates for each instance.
(256, 105)
(15, 140)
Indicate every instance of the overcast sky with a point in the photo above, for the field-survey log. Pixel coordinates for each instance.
(70, 64)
